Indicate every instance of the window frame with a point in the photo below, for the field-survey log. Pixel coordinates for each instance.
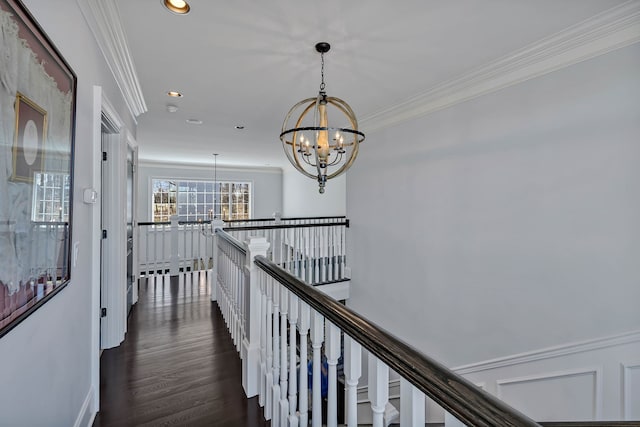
(200, 198)
(62, 215)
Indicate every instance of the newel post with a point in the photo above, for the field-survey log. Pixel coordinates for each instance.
(212, 279)
(251, 341)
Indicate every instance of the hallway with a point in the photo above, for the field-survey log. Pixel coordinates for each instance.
(177, 365)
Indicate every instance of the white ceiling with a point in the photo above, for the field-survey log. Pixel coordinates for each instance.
(247, 62)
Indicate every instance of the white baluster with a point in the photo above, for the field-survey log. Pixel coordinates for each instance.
(237, 302)
(269, 374)
(301, 253)
(303, 395)
(412, 404)
(317, 337)
(352, 372)
(325, 254)
(284, 403)
(332, 350)
(263, 339)
(293, 389)
(174, 256)
(275, 393)
(378, 389)
(166, 254)
(148, 258)
(183, 258)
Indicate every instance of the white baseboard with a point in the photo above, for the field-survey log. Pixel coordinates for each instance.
(87, 413)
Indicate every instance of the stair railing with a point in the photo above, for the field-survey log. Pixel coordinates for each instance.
(295, 313)
(312, 249)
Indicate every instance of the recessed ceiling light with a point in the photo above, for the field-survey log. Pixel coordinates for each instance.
(179, 7)
(239, 127)
(174, 94)
(194, 121)
(172, 108)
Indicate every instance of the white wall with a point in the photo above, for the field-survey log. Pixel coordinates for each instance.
(45, 362)
(301, 196)
(266, 184)
(508, 223)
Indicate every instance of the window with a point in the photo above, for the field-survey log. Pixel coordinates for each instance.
(194, 200)
(50, 197)
(164, 200)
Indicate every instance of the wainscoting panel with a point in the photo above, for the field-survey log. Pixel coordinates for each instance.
(597, 379)
(574, 394)
(631, 390)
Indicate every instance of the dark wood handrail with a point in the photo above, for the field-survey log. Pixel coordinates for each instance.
(250, 220)
(179, 223)
(280, 226)
(232, 241)
(590, 423)
(454, 393)
(311, 218)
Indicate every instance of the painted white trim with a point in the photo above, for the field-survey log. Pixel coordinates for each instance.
(103, 18)
(394, 391)
(96, 209)
(550, 352)
(86, 415)
(207, 167)
(110, 114)
(612, 29)
(625, 400)
(597, 386)
(131, 140)
(133, 144)
(338, 291)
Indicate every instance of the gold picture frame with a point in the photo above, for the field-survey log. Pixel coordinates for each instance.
(29, 139)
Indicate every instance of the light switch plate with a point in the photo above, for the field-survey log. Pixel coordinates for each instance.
(90, 196)
(76, 245)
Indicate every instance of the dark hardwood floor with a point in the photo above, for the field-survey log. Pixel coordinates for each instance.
(177, 366)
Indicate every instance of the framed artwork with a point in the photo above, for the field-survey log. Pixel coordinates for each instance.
(37, 122)
(29, 138)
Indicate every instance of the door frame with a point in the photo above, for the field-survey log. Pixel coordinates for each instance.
(102, 108)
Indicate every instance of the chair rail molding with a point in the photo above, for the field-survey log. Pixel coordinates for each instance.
(103, 18)
(612, 29)
(550, 352)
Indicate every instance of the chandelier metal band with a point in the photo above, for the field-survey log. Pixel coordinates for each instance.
(357, 132)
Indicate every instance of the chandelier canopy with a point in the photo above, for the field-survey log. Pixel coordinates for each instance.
(320, 135)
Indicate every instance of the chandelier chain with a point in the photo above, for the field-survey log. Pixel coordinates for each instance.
(322, 72)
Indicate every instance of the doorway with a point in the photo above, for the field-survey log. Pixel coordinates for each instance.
(131, 276)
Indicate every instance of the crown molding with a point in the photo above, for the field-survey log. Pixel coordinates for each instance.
(612, 29)
(103, 19)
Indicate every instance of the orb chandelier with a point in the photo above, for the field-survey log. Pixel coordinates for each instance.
(320, 135)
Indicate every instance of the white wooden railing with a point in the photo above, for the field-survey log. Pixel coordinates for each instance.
(167, 249)
(279, 323)
(312, 249)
